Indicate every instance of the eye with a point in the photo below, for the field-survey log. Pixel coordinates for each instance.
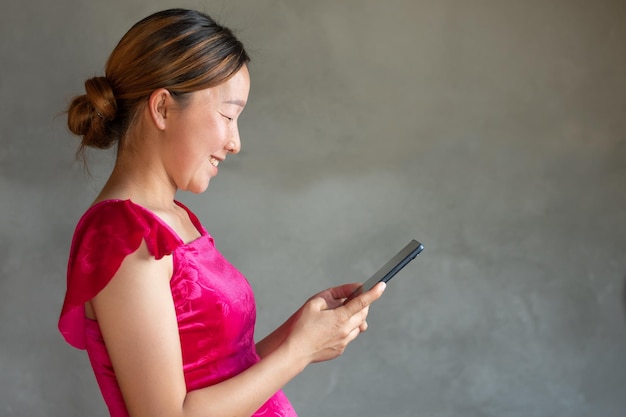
(230, 119)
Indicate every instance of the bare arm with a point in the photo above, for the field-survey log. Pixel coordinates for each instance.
(137, 317)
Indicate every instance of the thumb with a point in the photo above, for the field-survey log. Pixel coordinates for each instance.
(318, 303)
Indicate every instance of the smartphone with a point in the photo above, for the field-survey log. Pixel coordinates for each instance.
(391, 268)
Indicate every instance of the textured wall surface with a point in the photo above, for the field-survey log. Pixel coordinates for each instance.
(492, 131)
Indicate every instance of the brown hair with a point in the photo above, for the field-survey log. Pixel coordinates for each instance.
(181, 50)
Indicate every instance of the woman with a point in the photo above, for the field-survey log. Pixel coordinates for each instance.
(167, 322)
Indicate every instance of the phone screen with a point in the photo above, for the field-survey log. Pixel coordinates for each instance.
(391, 268)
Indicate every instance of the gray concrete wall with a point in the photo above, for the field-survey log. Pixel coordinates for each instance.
(493, 131)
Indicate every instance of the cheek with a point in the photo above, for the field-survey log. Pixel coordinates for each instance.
(213, 135)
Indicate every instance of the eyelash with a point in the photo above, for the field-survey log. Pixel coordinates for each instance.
(230, 119)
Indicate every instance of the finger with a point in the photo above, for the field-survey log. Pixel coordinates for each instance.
(354, 333)
(362, 301)
(360, 317)
(363, 327)
(318, 303)
(344, 290)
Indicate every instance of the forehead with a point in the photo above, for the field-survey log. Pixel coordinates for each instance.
(236, 88)
(233, 91)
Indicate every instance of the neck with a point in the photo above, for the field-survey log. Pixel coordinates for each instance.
(139, 176)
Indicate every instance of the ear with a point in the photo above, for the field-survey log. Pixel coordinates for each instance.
(158, 106)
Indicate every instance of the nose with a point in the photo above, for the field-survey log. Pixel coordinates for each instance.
(234, 144)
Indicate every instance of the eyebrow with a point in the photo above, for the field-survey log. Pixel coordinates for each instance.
(236, 102)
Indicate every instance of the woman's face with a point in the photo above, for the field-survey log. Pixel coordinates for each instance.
(202, 132)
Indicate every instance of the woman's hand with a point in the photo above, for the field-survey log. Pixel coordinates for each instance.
(323, 327)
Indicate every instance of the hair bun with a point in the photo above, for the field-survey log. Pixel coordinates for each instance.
(89, 115)
(100, 95)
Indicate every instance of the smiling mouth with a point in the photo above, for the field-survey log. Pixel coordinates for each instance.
(214, 161)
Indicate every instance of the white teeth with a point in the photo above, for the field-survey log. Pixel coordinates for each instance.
(214, 161)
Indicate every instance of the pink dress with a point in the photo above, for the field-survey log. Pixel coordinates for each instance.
(214, 303)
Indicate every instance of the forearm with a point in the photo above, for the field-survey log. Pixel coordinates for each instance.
(273, 340)
(245, 393)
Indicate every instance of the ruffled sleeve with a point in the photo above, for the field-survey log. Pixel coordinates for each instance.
(107, 233)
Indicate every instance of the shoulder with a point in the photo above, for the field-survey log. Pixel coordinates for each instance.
(111, 225)
(109, 233)
(111, 213)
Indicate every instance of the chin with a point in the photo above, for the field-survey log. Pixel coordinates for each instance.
(200, 190)
(196, 188)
